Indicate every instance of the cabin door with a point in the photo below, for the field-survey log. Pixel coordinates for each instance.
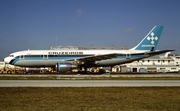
(45, 57)
(128, 56)
(21, 57)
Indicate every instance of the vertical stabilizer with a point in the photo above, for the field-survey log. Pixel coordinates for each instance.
(151, 40)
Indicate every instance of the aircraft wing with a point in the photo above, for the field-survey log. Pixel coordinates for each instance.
(99, 57)
(114, 55)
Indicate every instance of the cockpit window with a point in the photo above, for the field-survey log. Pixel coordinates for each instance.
(11, 55)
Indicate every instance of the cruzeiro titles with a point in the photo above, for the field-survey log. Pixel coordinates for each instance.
(65, 53)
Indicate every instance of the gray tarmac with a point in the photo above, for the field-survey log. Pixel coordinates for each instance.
(96, 75)
(89, 83)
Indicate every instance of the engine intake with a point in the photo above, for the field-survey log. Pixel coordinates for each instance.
(63, 67)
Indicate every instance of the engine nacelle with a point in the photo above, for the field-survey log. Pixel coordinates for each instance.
(63, 67)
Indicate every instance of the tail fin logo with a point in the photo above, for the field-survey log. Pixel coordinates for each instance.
(152, 38)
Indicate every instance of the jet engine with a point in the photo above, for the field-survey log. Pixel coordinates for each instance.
(63, 67)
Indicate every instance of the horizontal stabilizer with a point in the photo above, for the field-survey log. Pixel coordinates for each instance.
(158, 52)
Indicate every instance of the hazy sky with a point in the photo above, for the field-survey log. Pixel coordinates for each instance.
(37, 24)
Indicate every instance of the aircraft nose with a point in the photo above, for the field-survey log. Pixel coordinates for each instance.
(6, 60)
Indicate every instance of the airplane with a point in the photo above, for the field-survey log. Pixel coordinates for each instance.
(66, 60)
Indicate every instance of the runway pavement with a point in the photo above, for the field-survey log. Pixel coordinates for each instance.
(93, 75)
(88, 83)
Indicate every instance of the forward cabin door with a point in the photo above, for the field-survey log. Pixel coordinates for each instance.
(45, 56)
(21, 57)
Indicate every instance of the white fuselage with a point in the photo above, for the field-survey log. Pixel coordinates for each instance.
(46, 58)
